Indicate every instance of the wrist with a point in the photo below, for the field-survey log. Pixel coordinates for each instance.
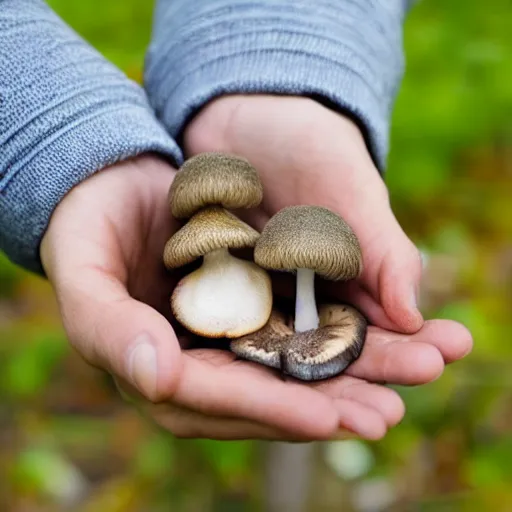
(217, 124)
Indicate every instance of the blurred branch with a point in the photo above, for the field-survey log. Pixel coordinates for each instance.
(288, 474)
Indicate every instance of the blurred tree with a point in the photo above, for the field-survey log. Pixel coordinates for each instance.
(64, 435)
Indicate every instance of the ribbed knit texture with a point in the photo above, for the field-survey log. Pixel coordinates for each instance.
(346, 52)
(65, 112)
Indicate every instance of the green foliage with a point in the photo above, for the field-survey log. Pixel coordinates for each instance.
(229, 461)
(9, 275)
(155, 456)
(454, 95)
(119, 30)
(28, 368)
(450, 182)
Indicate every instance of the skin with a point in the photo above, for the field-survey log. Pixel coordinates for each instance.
(104, 262)
(307, 154)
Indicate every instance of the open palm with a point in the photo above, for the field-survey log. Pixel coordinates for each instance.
(307, 154)
(102, 253)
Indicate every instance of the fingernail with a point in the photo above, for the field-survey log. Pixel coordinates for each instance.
(142, 366)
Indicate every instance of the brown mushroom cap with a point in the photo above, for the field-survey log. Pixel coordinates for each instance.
(265, 346)
(310, 237)
(311, 355)
(214, 179)
(210, 229)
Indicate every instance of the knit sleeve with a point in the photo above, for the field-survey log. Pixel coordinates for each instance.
(65, 113)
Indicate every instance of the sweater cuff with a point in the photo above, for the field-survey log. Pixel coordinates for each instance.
(33, 187)
(65, 113)
(334, 52)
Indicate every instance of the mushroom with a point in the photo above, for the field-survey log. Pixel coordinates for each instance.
(227, 296)
(214, 179)
(266, 345)
(310, 355)
(310, 240)
(330, 349)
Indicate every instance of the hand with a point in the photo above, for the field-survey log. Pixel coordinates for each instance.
(307, 154)
(103, 255)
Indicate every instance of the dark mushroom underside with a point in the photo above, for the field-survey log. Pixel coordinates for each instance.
(312, 355)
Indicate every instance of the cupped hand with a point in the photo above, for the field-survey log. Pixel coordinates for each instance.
(103, 255)
(308, 154)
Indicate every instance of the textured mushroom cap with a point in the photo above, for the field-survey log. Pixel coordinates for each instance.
(214, 179)
(210, 229)
(311, 355)
(310, 237)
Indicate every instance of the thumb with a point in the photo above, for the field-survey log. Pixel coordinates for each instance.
(399, 281)
(388, 288)
(117, 333)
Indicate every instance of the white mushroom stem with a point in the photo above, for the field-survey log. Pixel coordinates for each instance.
(225, 297)
(306, 314)
(219, 257)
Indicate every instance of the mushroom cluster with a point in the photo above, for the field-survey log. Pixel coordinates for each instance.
(226, 297)
(308, 240)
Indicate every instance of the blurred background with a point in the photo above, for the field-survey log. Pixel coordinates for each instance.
(67, 442)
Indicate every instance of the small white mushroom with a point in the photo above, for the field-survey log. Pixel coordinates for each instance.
(227, 296)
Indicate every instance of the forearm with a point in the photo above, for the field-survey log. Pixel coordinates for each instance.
(347, 54)
(65, 113)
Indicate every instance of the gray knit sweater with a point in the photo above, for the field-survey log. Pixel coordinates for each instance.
(65, 112)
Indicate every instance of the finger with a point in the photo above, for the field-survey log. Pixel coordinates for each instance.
(352, 414)
(411, 359)
(392, 264)
(253, 391)
(353, 293)
(351, 395)
(453, 340)
(399, 281)
(364, 421)
(188, 424)
(385, 401)
(133, 341)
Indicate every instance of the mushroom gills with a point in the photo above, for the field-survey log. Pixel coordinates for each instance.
(266, 345)
(322, 353)
(225, 297)
(311, 355)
